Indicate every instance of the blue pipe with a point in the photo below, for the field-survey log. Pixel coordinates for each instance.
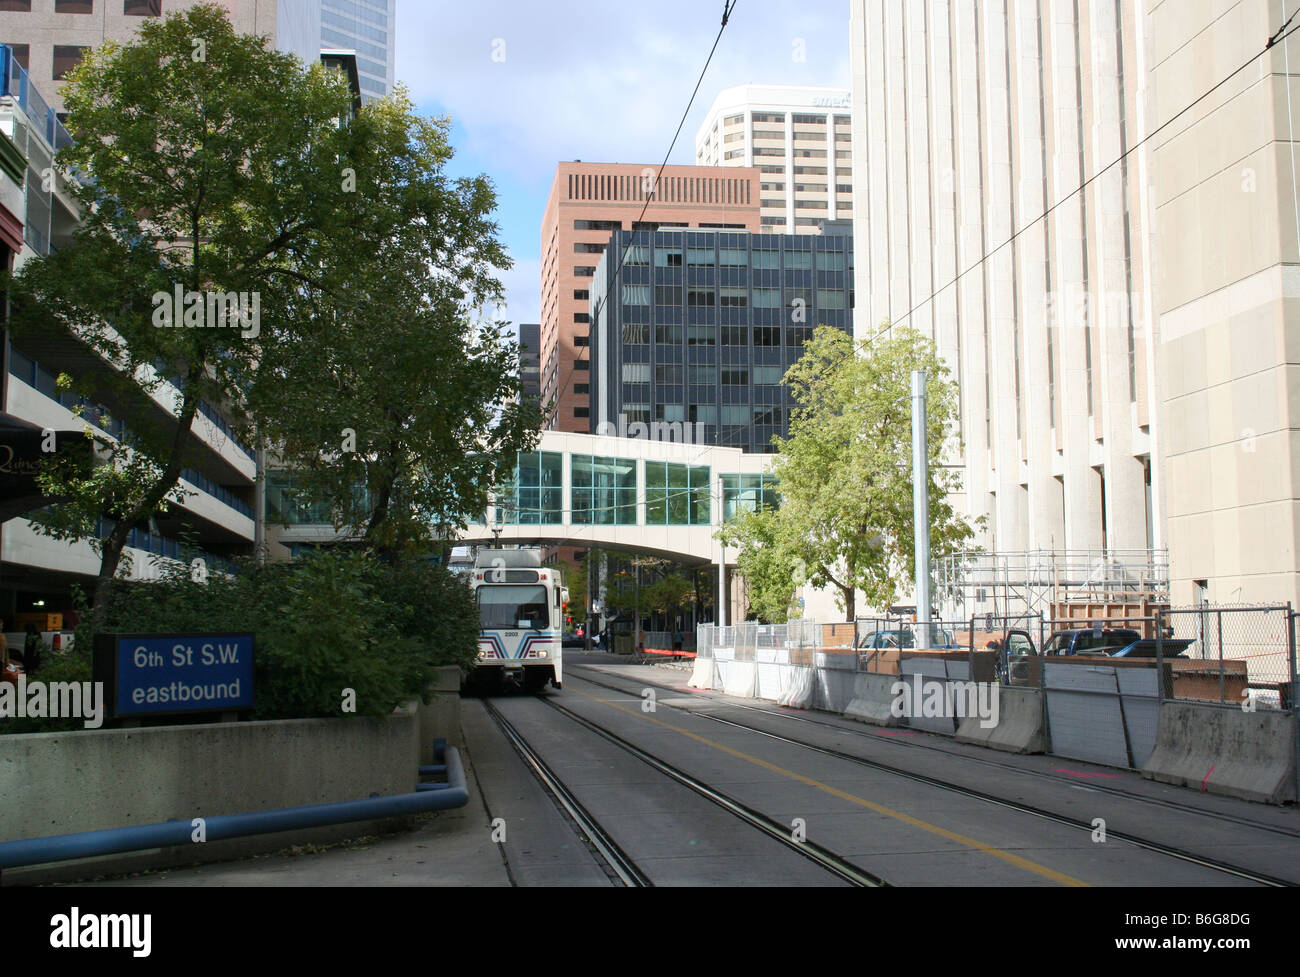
(113, 841)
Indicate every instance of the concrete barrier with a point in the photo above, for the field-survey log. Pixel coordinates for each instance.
(1250, 755)
(797, 683)
(872, 699)
(737, 678)
(84, 780)
(702, 674)
(1019, 728)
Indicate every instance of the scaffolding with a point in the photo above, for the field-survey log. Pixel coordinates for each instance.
(1042, 581)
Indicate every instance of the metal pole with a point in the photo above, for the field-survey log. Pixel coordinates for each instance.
(1295, 699)
(921, 508)
(722, 565)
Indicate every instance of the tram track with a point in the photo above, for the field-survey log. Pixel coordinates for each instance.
(1159, 848)
(614, 857)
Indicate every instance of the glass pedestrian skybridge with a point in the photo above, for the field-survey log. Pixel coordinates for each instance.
(625, 493)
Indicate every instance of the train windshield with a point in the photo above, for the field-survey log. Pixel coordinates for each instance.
(506, 607)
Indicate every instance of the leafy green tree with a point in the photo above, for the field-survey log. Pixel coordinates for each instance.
(415, 399)
(213, 168)
(844, 475)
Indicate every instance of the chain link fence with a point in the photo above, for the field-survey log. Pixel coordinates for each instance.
(1237, 656)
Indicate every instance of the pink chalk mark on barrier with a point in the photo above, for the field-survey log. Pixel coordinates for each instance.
(1207, 776)
(1084, 773)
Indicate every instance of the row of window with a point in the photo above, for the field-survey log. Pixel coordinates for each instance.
(672, 373)
(670, 334)
(604, 489)
(130, 8)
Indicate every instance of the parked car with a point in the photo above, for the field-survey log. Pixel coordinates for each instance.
(905, 638)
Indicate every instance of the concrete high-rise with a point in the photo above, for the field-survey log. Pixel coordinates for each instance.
(971, 120)
(799, 139)
(692, 336)
(590, 200)
(1128, 361)
(48, 37)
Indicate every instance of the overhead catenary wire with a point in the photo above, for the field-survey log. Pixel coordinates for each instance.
(727, 7)
(1273, 40)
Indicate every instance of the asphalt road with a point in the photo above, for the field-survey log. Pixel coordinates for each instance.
(905, 831)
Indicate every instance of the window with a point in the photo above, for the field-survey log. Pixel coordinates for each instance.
(637, 254)
(734, 336)
(767, 375)
(17, 7)
(603, 490)
(774, 221)
(22, 53)
(670, 412)
(767, 336)
(581, 294)
(732, 297)
(701, 335)
(581, 317)
(668, 294)
(747, 493)
(636, 294)
(533, 495)
(668, 333)
(73, 6)
(668, 258)
(733, 257)
(676, 495)
(511, 606)
(767, 259)
(828, 298)
(699, 297)
(668, 373)
(830, 261)
(798, 260)
(767, 414)
(636, 372)
(66, 57)
(735, 376)
(142, 8)
(767, 298)
(580, 341)
(699, 256)
(582, 365)
(582, 271)
(585, 247)
(702, 413)
(702, 373)
(582, 388)
(735, 415)
(584, 225)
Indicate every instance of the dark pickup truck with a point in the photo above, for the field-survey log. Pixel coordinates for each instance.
(1091, 641)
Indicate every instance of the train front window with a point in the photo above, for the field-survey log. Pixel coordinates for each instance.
(507, 607)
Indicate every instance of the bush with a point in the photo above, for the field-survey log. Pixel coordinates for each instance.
(330, 621)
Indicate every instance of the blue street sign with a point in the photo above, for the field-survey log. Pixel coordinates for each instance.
(151, 674)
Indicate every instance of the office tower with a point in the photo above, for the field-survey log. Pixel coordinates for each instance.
(587, 202)
(798, 138)
(48, 37)
(530, 361)
(691, 337)
(366, 27)
(970, 121)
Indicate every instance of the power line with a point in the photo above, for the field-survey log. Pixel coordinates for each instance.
(1279, 36)
(727, 7)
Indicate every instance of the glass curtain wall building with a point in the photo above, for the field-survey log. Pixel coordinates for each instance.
(692, 336)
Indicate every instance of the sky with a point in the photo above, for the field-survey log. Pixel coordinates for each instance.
(531, 83)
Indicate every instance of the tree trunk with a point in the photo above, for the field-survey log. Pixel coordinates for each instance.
(111, 554)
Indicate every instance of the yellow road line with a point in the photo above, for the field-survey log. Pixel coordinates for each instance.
(961, 839)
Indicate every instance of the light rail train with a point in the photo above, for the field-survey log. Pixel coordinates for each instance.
(521, 619)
